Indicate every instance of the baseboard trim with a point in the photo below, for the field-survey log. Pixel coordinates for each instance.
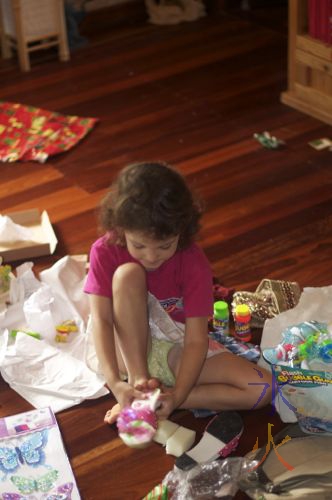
(102, 4)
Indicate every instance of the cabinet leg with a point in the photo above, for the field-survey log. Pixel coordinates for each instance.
(6, 51)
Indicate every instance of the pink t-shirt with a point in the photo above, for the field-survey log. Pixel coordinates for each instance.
(182, 284)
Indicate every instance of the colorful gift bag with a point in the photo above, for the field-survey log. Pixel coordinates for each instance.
(28, 133)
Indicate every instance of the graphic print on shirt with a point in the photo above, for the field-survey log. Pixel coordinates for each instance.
(172, 304)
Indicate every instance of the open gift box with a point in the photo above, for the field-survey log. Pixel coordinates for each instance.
(43, 239)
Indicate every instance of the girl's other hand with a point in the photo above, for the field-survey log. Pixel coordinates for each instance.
(126, 393)
(168, 403)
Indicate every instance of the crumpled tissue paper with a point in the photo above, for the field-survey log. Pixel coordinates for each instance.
(67, 277)
(46, 376)
(10, 231)
(46, 372)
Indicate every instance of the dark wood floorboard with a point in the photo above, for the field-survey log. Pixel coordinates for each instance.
(192, 95)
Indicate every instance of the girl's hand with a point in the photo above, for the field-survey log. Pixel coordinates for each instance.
(168, 403)
(126, 393)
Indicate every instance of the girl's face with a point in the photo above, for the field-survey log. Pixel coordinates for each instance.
(149, 252)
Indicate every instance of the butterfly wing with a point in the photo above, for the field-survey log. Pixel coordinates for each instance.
(47, 481)
(66, 488)
(56, 496)
(17, 496)
(24, 484)
(62, 492)
(32, 448)
(9, 460)
(11, 496)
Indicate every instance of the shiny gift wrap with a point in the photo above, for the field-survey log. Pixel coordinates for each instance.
(270, 298)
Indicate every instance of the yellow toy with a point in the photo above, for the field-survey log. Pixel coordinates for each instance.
(64, 330)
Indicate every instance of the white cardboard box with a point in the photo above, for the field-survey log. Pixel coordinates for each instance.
(44, 240)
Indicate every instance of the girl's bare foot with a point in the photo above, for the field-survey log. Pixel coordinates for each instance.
(149, 385)
(112, 414)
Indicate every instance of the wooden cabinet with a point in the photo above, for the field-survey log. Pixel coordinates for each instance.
(309, 67)
(30, 25)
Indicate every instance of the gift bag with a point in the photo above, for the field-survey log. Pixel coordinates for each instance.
(270, 299)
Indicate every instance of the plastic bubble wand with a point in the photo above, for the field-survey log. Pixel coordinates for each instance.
(137, 423)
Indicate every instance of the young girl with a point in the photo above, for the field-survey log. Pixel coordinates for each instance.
(150, 293)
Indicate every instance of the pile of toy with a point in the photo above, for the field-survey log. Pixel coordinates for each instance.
(302, 369)
(307, 345)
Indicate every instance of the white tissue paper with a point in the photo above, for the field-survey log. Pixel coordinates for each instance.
(10, 231)
(314, 304)
(46, 372)
(42, 374)
(25, 284)
(67, 277)
(3, 345)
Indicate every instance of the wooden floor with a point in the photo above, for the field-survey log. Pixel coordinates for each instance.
(193, 95)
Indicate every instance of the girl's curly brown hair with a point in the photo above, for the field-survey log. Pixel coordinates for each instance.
(152, 198)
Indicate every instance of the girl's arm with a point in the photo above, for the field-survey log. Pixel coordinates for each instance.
(194, 354)
(190, 366)
(103, 335)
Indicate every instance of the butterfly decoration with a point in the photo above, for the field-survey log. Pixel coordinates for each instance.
(29, 451)
(28, 485)
(17, 496)
(62, 492)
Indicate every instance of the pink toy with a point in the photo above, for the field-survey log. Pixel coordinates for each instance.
(137, 424)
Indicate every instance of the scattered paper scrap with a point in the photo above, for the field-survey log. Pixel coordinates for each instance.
(320, 144)
(268, 141)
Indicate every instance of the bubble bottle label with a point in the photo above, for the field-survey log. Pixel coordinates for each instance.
(220, 319)
(242, 317)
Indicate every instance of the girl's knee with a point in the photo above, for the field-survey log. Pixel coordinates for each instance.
(127, 277)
